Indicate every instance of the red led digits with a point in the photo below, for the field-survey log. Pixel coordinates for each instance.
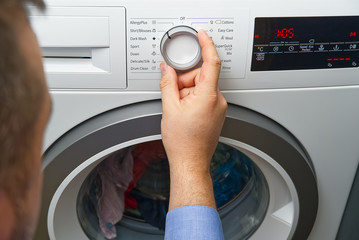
(290, 33)
(338, 59)
(353, 34)
(285, 33)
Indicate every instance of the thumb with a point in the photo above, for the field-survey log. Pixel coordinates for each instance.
(169, 86)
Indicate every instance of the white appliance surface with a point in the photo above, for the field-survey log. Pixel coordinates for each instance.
(115, 61)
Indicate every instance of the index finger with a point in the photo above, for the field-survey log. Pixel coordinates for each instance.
(211, 62)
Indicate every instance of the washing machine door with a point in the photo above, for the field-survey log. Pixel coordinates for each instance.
(263, 180)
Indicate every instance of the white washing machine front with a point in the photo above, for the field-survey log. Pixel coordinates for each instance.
(292, 87)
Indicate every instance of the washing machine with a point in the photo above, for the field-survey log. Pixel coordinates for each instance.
(287, 155)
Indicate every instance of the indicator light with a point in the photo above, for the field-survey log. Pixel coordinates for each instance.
(338, 59)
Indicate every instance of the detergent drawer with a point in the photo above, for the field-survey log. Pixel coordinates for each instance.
(82, 47)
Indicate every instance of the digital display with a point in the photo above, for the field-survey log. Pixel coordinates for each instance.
(292, 43)
(285, 33)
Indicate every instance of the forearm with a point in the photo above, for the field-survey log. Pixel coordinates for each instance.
(193, 115)
(190, 187)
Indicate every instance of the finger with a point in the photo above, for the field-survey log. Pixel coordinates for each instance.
(186, 92)
(211, 62)
(187, 79)
(169, 86)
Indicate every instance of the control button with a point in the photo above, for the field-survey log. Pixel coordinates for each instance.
(260, 57)
(264, 48)
(276, 49)
(335, 47)
(259, 49)
(303, 48)
(180, 48)
(321, 47)
(291, 48)
(351, 47)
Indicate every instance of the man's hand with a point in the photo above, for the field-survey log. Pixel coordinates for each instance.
(193, 115)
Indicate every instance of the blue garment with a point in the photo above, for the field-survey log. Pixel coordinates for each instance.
(193, 222)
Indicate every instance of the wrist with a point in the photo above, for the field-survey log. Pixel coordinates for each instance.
(191, 188)
(190, 161)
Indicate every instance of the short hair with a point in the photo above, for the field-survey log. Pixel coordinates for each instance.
(21, 102)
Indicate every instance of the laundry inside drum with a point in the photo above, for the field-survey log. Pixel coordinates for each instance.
(130, 189)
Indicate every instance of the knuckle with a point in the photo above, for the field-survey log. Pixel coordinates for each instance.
(217, 61)
(211, 42)
(164, 83)
(225, 105)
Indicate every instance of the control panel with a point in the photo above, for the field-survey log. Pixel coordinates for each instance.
(120, 45)
(146, 30)
(290, 43)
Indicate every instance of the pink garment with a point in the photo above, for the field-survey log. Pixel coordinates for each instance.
(115, 173)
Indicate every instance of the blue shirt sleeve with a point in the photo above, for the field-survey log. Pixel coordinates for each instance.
(193, 222)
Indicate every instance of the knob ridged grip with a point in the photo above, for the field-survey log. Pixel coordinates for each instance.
(180, 48)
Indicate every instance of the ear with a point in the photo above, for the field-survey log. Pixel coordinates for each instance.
(7, 216)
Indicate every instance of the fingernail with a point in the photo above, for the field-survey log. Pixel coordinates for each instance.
(163, 68)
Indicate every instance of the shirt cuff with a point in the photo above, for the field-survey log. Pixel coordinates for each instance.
(193, 222)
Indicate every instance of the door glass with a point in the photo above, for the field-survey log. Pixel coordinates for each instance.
(130, 189)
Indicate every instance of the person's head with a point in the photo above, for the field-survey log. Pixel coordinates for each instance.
(24, 110)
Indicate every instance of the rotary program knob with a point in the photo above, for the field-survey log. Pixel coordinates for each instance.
(180, 48)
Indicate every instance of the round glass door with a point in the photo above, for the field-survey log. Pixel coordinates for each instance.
(263, 179)
(130, 188)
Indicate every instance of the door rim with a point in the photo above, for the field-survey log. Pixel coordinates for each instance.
(141, 120)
